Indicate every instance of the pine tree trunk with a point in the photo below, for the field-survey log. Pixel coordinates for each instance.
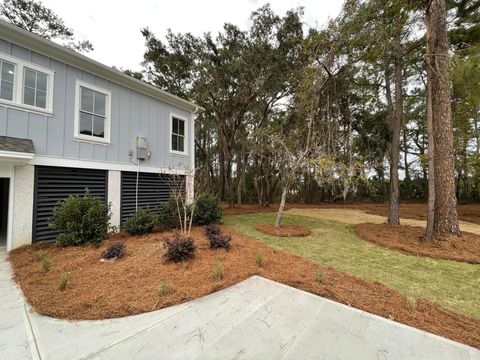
(446, 218)
(431, 154)
(396, 124)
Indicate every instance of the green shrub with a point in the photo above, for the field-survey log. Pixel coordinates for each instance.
(142, 222)
(319, 277)
(259, 260)
(46, 262)
(179, 248)
(218, 271)
(168, 215)
(81, 219)
(164, 289)
(207, 211)
(63, 281)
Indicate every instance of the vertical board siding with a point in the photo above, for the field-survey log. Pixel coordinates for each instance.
(53, 184)
(132, 114)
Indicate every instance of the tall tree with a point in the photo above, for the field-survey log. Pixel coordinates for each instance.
(445, 213)
(33, 16)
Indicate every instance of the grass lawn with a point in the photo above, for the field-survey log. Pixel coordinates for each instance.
(451, 284)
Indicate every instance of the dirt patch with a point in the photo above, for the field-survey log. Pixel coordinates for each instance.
(131, 285)
(286, 230)
(418, 211)
(409, 239)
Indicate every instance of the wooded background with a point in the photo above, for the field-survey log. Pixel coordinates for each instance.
(361, 81)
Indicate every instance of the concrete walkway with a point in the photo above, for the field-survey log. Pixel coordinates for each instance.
(16, 338)
(255, 319)
(356, 216)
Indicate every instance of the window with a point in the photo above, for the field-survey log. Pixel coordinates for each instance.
(35, 88)
(178, 135)
(7, 77)
(25, 85)
(92, 113)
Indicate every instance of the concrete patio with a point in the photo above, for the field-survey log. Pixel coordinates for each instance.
(255, 319)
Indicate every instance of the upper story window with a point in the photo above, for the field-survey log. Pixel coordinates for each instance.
(35, 88)
(7, 80)
(178, 135)
(92, 113)
(25, 85)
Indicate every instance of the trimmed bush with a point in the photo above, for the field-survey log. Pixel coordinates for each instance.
(207, 211)
(220, 241)
(142, 222)
(179, 248)
(80, 220)
(217, 240)
(168, 215)
(212, 229)
(114, 251)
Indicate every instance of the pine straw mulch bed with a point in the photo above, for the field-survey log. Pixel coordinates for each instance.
(131, 285)
(285, 230)
(409, 239)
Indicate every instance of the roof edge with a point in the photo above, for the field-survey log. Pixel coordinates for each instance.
(50, 49)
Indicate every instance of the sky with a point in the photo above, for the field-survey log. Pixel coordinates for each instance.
(113, 27)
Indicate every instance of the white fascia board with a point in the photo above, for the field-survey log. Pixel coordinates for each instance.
(16, 156)
(103, 165)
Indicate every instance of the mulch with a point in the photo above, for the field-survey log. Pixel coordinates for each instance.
(285, 230)
(409, 239)
(130, 285)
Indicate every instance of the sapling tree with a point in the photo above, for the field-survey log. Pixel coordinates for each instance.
(182, 191)
(293, 156)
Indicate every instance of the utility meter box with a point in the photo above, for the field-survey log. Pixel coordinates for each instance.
(142, 148)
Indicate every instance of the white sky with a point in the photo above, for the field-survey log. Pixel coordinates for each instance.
(113, 27)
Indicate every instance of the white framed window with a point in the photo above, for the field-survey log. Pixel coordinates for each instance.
(34, 88)
(178, 134)
(7, 80)
(25, 85)
(92, 113)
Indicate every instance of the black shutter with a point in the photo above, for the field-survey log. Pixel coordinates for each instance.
(53, 184)
(153, 189)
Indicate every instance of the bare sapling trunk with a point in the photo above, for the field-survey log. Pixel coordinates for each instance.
(293, 165)
(179, 212)
(278, 219)
(446, 217)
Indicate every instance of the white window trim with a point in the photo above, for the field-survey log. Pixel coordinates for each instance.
(185, 138)
(17, 101)
(108, 111)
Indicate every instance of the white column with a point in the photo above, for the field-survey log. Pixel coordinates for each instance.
(114, 191)
(190, 180)
(22, 202)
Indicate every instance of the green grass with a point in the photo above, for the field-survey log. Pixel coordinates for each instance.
(451, 284)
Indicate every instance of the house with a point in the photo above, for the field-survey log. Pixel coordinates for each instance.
(68, 123)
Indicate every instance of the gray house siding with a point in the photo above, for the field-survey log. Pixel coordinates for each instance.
(132, 114)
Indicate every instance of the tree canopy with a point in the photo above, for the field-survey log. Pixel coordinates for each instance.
(33, 16)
